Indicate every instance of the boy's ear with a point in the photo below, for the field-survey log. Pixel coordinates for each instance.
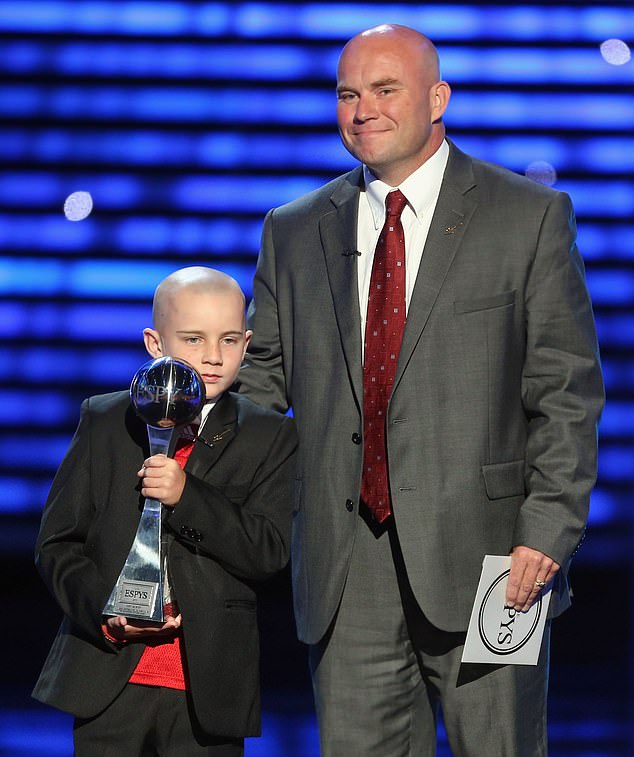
(247, 338)
(152, 341)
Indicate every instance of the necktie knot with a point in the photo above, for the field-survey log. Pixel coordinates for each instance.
(395, 203)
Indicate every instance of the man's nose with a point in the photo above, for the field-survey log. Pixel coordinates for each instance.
(366, 108)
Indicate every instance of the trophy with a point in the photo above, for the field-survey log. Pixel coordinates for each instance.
(165, 392)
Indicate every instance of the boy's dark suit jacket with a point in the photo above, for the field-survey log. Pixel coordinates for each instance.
(230, 529)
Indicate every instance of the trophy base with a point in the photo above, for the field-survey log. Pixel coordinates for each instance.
(135, 599)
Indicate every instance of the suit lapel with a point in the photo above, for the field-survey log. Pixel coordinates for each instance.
(218, 430)
(339, 240)
(452, 215)
(453, 212)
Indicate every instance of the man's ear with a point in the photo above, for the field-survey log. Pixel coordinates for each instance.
(152, 341)
(439, 94)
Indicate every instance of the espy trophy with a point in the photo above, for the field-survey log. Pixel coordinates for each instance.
(166, 392)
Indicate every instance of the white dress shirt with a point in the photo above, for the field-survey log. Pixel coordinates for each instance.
(421, 190)
(204, 413)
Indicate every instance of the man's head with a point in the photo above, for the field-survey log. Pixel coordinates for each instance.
(199, 316)
(390, 100)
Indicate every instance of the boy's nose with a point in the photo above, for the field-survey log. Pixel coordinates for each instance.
(214, 355)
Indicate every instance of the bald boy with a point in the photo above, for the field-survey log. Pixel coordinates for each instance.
(189, 686)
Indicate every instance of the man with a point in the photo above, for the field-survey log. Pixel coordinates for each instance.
(484, 403)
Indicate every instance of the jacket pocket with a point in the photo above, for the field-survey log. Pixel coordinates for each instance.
(485, 303)
(240, 604)
(504, 479)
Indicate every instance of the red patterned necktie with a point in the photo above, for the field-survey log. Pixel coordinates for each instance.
(383, 334)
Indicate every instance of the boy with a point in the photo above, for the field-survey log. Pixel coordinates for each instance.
(190, 686)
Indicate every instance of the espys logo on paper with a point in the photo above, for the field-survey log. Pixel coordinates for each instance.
(502, 629)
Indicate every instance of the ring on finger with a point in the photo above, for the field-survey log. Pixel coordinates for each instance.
(541, 584)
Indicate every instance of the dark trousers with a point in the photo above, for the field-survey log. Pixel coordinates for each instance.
(149, 721)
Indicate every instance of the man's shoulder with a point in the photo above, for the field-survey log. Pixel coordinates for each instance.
(510, 179)
(495, 177)
(321, 197)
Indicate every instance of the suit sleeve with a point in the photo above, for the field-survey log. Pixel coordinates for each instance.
(248, 534)
(562, 392)
(262, 378)
(72, 578)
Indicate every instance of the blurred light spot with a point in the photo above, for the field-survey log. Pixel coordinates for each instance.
(615, 52)
(78, 206)
(542, 172)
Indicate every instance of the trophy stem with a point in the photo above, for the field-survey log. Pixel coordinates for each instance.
(138, 592)
(160, 439)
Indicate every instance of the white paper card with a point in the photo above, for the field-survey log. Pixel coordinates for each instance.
(498, 634)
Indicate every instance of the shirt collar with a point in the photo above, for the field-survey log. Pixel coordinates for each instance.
(206, 409)
(420, 188)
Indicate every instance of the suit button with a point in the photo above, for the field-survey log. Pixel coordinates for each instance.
(356, 438)
(349, 505)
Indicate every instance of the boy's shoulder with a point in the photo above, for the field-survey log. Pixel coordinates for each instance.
(105, 404)
(110, 413)
(263, 429)
(247, 408)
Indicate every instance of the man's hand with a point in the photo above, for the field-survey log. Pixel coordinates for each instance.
(163, 479)
(531, 572)
(122, 629)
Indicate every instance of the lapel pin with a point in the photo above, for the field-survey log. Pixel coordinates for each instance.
(218, 437)
(452, 229)
(214, 438)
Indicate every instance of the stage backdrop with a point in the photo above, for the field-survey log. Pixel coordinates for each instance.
(139, 137)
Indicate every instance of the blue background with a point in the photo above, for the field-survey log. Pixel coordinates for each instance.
(186, 122)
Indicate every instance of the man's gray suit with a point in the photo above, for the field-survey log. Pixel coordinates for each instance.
(491, 428)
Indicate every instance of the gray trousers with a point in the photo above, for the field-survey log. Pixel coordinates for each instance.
(382, 672)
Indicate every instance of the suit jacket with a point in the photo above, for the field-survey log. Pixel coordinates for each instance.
(491, 427)
(230, 529)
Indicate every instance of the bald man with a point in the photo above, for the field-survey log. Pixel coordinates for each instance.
(190, 686)
(445, 411)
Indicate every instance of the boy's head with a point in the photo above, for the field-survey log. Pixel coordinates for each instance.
(198, 316)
